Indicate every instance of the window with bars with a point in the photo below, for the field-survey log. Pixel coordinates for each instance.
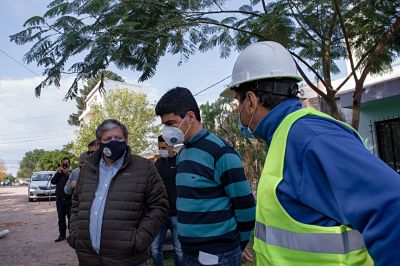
(388, 140)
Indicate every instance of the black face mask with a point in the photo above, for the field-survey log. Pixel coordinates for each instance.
(113, 149)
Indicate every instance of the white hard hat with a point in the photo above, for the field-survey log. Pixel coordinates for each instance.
(262, 60)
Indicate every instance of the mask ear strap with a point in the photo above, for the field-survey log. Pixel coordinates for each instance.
(251, 118)
(180, 124)
(188, 129)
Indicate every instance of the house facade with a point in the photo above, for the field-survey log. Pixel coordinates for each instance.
(380, 112)
(96, 96)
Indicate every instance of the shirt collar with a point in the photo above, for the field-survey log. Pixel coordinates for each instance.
(267, 126)
(198, 136)
(117, 163)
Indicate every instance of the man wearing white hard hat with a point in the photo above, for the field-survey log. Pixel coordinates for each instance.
(322, 198)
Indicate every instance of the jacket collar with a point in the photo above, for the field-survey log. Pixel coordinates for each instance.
(267, 126)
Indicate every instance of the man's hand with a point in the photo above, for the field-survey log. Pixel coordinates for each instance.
(60, 169)
(247, 256)
(73, 184)
(65, 170)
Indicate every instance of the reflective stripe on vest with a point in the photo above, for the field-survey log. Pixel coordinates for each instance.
(281, 240)
(320, 243)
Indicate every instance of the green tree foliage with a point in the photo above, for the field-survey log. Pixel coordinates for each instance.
(87, 132)
(80, 99)
(10, 178)
(319, 33)
(69, 147)
(221, 119)
(136, 34)
(41, 160)
(131, 34)
(28, 163)
(49, 160)
(130, 108)
(3, 170)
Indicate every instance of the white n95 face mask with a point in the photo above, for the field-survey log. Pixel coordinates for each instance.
(163, 153)
(173, 135)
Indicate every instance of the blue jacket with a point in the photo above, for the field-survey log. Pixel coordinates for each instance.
(330, 178)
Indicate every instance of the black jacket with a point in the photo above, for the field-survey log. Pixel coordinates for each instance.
(166, 167)
(135, 210)
(60, 179)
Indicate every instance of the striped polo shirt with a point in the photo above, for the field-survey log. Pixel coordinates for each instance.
(215, 206)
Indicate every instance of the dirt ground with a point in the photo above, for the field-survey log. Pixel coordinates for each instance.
(33, 229)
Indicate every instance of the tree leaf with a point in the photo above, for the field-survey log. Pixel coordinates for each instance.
(246, 8)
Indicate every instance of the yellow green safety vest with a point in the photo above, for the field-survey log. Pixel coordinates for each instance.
(279, 239)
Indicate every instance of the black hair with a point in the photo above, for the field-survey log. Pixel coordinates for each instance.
(92, 143)
(160, 138)
(179, 101)
(270, 91)
(66, 158)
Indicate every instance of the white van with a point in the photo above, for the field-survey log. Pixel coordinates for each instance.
(40, 186)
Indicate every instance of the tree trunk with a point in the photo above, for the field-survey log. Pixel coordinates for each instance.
(358, 90)
(330, 101)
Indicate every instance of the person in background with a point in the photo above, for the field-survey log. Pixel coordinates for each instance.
(166, 167)
(323, 198)
(93, 146)
(215, 205)
(119, 204)
(63, 201)
(73, 177)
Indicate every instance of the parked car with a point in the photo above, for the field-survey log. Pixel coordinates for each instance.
(40, 187)
(5, 183)
(24, 181)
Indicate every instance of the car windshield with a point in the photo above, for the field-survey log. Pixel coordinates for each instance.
(41, 177)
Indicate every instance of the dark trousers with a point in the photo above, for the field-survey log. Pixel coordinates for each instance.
(63, 209)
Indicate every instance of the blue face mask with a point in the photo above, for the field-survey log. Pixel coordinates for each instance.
(246, 132)
(113, 149)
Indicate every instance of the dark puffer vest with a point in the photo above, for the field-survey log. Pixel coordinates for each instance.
(135, 210)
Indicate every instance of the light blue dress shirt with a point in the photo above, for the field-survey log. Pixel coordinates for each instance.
(72, 176)
(106, 174)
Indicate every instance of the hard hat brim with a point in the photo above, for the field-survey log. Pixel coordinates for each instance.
(228, 93)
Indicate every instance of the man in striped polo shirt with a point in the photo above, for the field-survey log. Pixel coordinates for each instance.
(215, 206)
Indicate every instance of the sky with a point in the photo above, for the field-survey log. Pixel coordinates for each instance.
(28, 122)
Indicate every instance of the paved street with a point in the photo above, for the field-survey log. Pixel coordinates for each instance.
(33, 228)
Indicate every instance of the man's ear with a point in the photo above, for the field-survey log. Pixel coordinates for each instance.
(192, 117)
(253, 101)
